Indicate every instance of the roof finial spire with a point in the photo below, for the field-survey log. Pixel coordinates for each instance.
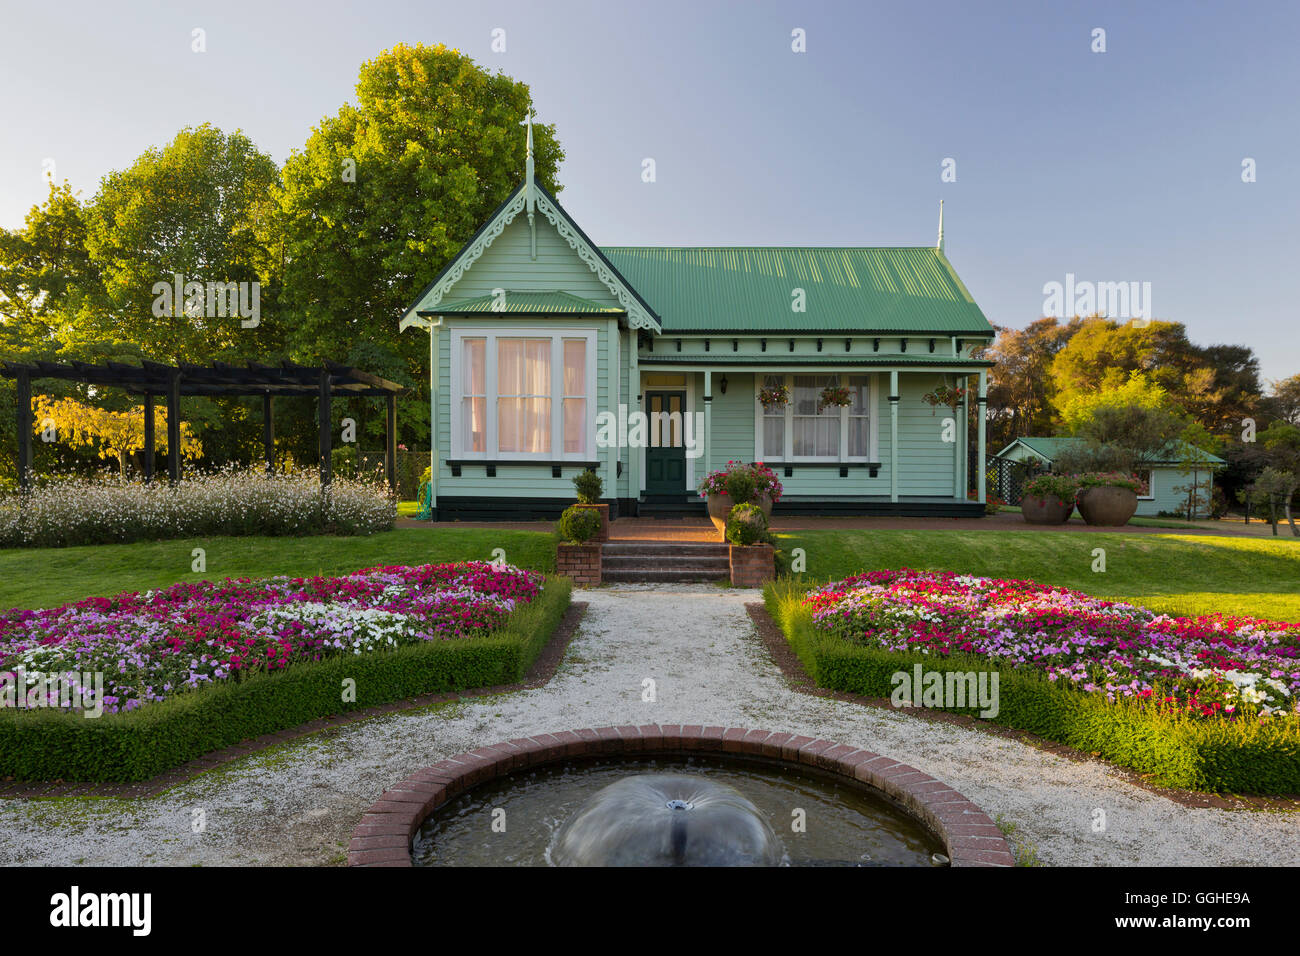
(940, 246)
(530, 194)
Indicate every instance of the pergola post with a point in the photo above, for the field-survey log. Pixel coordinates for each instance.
(325, 442)
(174, 425)
(149, 438)
(268, 433)
(390, 451)
(24, 383)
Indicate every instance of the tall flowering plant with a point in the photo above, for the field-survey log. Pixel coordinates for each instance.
(764, 479)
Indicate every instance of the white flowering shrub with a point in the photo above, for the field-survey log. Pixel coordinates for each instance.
(62, 512)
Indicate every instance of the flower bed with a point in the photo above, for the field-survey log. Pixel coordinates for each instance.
(192, 668)
(153, 645)
(1206, 703)
(1206, 666)
(113, 510)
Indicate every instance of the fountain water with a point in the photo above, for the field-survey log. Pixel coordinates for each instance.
(667, 820)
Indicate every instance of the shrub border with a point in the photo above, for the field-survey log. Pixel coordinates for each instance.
(383, 837)
(191, 723)
(1190, 763)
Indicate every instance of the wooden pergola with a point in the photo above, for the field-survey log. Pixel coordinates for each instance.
(170, 382)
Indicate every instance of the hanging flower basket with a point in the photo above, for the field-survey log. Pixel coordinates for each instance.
(943, 395)
(834, 395)
(774, 396)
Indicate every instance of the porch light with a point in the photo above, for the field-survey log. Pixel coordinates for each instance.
(722, 385)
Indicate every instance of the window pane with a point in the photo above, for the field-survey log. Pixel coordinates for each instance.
(773, 436)
(816, 434)
(575, 425)
(575, 367)
(474, 421)
(524, 367)
(474, 367)
(524, 424)
(860, 416)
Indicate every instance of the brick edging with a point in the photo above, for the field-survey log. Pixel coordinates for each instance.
(542, 670)
(383, 836)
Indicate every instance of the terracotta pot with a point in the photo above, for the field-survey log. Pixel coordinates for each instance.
(720, 508)
(1107, 505)
(1046, 510)
(603, 511)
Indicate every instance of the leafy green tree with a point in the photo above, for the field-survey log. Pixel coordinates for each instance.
(192, 208)
(1020, 384)
(383, 195)
(1284, 400)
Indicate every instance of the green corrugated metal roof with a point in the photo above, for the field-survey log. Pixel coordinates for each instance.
(1177, 451)
(531, 302)
(747, 288)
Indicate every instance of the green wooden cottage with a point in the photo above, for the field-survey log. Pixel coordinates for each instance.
(1168, 479)
(551, 354)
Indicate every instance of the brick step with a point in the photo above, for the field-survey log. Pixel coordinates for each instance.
(719, 566)
(651, 575)
(690, 549)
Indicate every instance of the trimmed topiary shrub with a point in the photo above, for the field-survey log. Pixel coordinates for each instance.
(746, 525)
(578, 525)
(589, 487)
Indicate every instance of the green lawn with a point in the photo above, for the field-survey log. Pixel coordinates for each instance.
(41, 577)
(1179, 574)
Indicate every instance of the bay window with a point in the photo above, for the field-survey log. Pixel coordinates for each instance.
(522, 394)
(801, 431)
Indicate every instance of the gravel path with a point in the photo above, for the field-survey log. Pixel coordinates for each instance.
(297, 804)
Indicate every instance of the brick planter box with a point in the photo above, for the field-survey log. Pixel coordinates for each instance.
(603, 511)
(383, 837)
(752, 566)
(581, 562)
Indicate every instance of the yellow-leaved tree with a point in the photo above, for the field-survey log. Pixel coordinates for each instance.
(111, 434)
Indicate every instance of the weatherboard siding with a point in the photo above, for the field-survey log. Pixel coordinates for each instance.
(507, 264)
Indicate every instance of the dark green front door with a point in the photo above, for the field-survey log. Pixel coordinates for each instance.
(665, 454)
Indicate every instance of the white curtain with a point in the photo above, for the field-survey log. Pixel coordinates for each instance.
(860, 416)
(774, 423)
(575, 396)
(816, 434)
(523, 390)
(474, 395)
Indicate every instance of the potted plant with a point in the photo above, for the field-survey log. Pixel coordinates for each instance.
(774, 396)
(1049, 499)
(836, 395)
(589, 487)
(739, 483)
(1108, 498)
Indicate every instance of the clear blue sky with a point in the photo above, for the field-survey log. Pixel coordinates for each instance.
(1115, 166)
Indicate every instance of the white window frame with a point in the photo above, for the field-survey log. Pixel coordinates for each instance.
(787, 456)
(1151, 484)
(556, 451)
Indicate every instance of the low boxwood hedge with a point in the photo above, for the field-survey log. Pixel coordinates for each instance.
(1174, 750)
(139, 744)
